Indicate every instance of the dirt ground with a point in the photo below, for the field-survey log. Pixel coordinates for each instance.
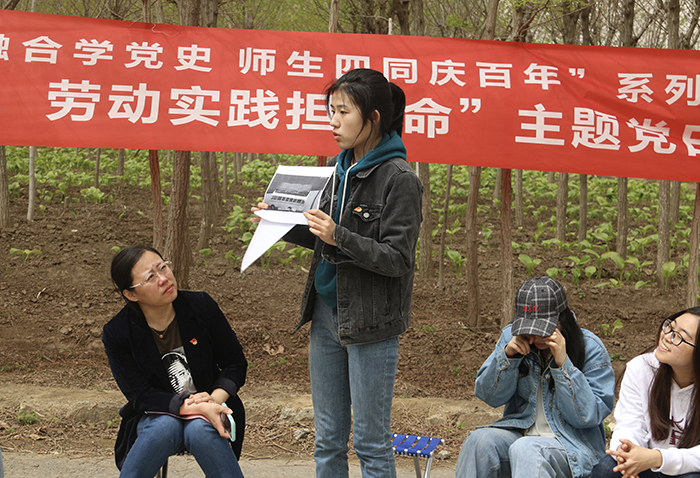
(53, 305)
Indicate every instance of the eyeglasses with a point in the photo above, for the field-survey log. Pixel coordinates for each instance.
(161, 269)
(676, 338)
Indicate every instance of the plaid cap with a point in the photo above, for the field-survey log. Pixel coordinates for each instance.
(538, 304)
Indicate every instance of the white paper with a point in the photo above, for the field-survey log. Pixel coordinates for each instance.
(292, 191)
(266, 235)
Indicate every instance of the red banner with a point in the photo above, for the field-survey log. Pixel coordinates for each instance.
(68, 81)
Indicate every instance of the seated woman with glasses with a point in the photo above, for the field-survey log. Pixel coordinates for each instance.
(657, 433)
(178, 362)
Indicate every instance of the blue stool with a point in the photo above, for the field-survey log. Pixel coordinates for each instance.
(416, 447)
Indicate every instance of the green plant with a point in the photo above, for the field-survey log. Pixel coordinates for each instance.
(232, 258)
(205, 253)
(279, 361)
(530, 263)
(95, 195)
(457, 369)
(668, 270)
(638, 266)
(610, 330)
(555, 273)
(24, 253)
(301, 254)
(265, 258)
(457, 260)
(576, 271)
(27, 417)
(619, 261)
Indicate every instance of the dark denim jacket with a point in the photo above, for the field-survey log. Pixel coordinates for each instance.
(377, 235)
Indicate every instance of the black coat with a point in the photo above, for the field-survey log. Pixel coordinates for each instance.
(214, 355)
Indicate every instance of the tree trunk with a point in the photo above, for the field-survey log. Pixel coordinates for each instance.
(675, 203)
(333, 15)
(4, 191)
(586, 25)
(507, 249)
(473, 318)
(443, 232)
(426, 238)
(664, 232)
(224, 173)
(491, 17)
(98, 154)
(32, 183)
(692, 291)
(622, 225)
(237, 164)
(176, 245)
(154, 165)
(120, 164)
(583, 207)
(211, 198)
(628, 38)
(570, 16)
(418, 17)
(519, 207)
(497, 185)
(562, 200)
(552, 177)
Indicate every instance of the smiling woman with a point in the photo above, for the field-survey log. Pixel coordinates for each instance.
(657, 433)
(177, 361)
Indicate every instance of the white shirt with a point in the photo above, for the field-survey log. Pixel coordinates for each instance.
(633, 421)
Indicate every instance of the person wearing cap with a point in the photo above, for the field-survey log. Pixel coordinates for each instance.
(557, 384)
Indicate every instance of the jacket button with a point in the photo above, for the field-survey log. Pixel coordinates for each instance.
(573, 457)
(366, 215)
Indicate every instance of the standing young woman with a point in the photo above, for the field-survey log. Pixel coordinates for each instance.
(174, 356)
(658, 431)
(358, 294)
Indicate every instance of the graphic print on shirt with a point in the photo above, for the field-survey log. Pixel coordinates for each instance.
(178, 371)
(677, 430)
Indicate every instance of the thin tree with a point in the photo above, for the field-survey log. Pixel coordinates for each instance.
(622, 224)
(664, 247)
(562, 200)
(211, 197)
(583, 207)
(32, 183)
(154, 166)
(96, 179)
(473, 316)
(443, 230)
(507, 249)
(4, 191)
(694, 240)
(176, 244)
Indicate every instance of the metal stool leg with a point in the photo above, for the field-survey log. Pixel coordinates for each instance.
(163, 472)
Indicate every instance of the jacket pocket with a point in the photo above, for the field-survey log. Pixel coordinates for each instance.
(366, 220)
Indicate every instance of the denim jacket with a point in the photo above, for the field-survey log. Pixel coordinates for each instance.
(575, 409)
(377, 236)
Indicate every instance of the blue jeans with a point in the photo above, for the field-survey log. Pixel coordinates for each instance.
(160, 436)
(502, 453)
(358, 376)
(604, 469)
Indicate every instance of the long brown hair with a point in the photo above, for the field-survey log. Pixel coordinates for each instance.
(660, 394)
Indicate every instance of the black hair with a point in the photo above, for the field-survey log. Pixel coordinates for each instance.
(575, 344)
(122, 266)
(369, 90)
(660, 393)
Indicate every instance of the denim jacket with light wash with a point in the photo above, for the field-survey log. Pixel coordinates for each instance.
(575, 408)
(377, 235)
